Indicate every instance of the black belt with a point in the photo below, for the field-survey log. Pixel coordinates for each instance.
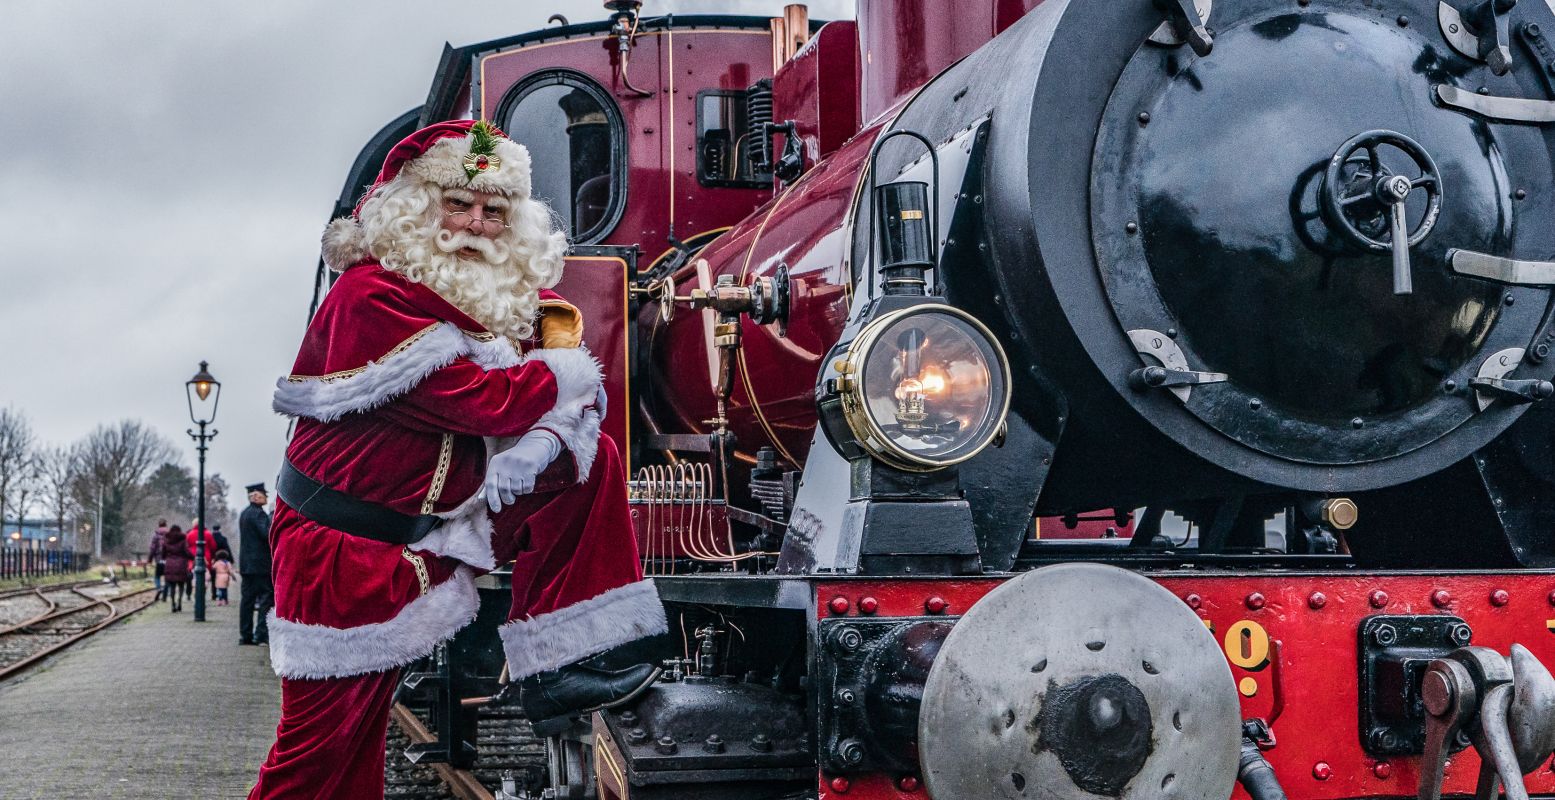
(343, 512)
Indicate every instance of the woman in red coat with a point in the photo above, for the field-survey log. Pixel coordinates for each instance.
(176, 572)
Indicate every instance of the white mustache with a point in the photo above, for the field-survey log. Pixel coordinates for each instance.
(452, 242)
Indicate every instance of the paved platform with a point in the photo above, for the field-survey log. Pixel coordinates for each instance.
(157, 706)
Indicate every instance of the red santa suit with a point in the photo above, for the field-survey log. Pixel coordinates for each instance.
(399, 399)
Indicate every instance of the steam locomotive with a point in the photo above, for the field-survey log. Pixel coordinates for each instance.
(1058, 399)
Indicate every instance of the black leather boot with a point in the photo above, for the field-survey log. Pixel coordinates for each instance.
(551, 700)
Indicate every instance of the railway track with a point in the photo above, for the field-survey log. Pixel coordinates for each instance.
(39, 622)
(507, 745)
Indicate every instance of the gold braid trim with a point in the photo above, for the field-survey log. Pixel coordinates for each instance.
(421, 569)
(445, 455)
(347, 373)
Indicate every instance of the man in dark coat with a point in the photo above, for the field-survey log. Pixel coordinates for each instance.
(258, 594)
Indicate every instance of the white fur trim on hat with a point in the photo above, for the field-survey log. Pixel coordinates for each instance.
(345, 244)
(571, 634)
(302, 651)
(443, 164)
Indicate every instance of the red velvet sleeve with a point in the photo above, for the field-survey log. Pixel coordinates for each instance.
(465, 398)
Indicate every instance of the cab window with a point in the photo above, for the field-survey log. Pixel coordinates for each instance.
(577, 149)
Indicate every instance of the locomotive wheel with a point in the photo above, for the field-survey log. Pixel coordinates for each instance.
(1078, 680)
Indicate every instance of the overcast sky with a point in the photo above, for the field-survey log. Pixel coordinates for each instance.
(165, 171)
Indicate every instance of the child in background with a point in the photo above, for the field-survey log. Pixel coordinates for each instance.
(224, 573)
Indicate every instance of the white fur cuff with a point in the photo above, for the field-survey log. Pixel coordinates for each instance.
(573, 418)
(302, 651)
(464, 535)
(329, 399)
(571, 634)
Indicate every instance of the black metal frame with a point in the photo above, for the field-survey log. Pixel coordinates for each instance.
(763, 180)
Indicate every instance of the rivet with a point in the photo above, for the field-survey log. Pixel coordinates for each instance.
(1552, 598)
(1483, 90)
(1303, 3)
(1132, 227)
(1357, 423)
(1322, 771)
(840, 785)
(1441, 598)
(1382, 769)
(1403, 21)
(908, 783)
(935, 605)
(1171, 333)
(1256, 601)
(1194, 601)
(1500, 597)
(838, 605)
(1520, 194)
(1450, 386)
(1379, 598)
(1144, 117)
(1510, 299)
(868, 605)
(1317, 600)
(1255, 404)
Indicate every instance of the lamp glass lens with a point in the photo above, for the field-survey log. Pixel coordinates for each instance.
(934, 386)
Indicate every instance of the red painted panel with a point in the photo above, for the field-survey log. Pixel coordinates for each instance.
(818, 89)
(596, 285)
(1313, 666)
(904, 43)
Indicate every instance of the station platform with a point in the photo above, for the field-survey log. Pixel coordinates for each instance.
(157, 706)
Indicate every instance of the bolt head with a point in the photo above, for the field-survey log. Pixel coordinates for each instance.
(1382, 769)
(1322, 771)
(1256, 601)
(1500, 597)
(868, 605)
(1317, 600)
(1194, 601)
(908, 783)
(838, 606)
(1385, 635)
(1379, 598)
(1441, 598)
(840, 785)
(935, 605)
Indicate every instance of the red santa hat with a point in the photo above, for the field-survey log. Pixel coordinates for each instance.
(457, 154)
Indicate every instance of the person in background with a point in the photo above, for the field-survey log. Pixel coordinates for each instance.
(221, 544)
(177, 567)
(157, 562)
(256, 595)
(223, 571)
(210, 550)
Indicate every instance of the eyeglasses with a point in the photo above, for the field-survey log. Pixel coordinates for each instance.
(491, 226)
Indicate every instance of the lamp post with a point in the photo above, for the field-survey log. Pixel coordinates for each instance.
(204, 393)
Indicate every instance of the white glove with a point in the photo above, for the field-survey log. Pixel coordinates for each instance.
(512, 472)
(599, 400)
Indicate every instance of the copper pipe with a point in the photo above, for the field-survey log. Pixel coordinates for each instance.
(796, 19)
(779, 37)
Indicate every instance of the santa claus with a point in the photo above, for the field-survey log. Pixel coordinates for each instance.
(447, 421)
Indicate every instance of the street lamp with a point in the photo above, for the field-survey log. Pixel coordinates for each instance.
(204, 393)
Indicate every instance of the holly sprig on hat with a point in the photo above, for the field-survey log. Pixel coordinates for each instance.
(483, 149)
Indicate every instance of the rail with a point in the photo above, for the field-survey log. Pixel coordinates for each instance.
(55, 613)
(461, 782)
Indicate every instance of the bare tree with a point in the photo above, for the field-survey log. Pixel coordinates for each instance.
(16, 446)
(115, 462)
(57, 469)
